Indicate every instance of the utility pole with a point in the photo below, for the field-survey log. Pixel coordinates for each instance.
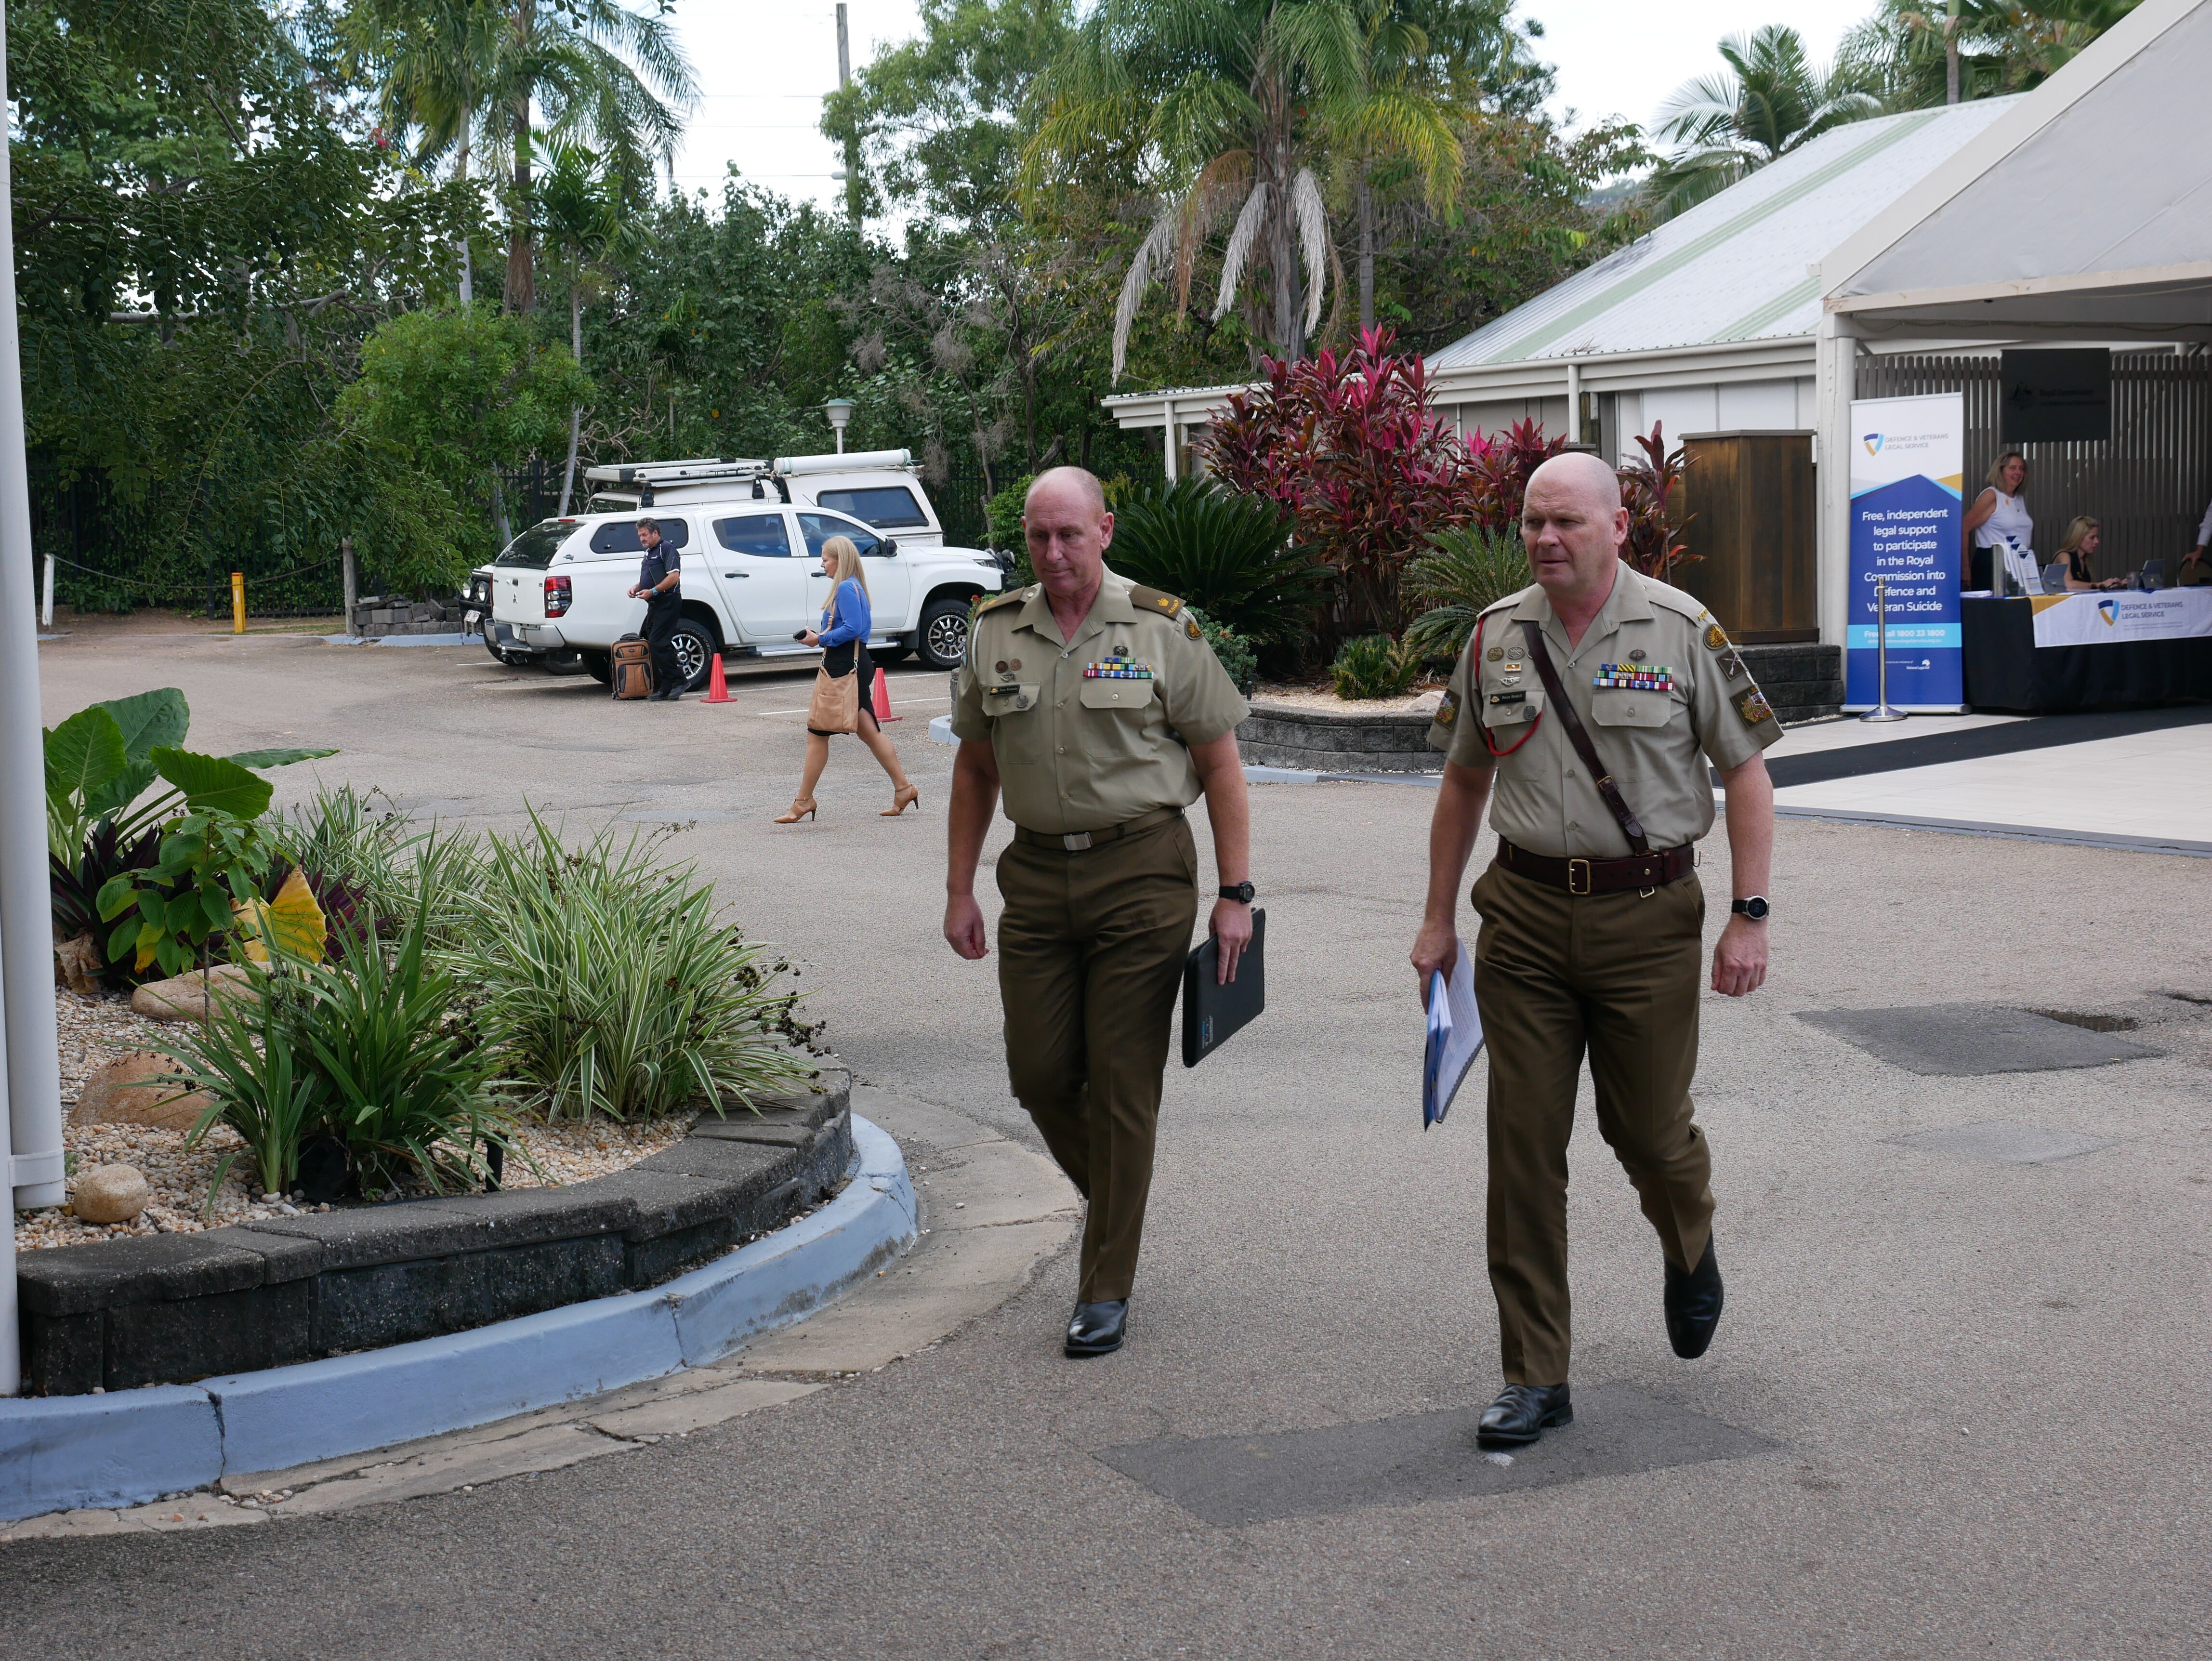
(852, 139)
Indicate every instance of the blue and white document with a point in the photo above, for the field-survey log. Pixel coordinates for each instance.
(1455, 1037)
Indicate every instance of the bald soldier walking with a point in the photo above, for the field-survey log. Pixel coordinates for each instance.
(1588, 704)
(1097, 708)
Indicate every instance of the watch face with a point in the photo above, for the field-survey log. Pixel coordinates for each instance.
(1756, 910)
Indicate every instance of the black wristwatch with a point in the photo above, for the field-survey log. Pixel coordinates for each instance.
(1241, 892)
(1755, 908)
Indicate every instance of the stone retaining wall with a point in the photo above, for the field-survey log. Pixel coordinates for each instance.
(1323, 741)
(375, 617)
(172, 1308)
(1802, 682)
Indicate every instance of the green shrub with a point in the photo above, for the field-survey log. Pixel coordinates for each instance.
(1234, 652)
(341, 835)
(372, 1050)
(1229, 554)
(1467, 570)
(1374, 667)
(610, 982)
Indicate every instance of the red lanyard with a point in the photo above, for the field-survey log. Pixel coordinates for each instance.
(1475, 678)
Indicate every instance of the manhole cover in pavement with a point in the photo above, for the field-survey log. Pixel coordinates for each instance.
(2004, 1143)
(1417, 1456)
(1962, 1039)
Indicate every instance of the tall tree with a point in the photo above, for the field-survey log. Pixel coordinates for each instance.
(1913, 53)
(583, 210)
(1771, 99)
(1222, 105)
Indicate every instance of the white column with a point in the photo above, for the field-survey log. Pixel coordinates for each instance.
(1835, 357)
(33, 1062)
(1168, 410)
(1574, 402)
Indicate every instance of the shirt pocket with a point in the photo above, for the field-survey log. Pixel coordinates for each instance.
(1099, 693)
(1017, 724)
(1618, 707)
(1117, 720)
(1507, 710)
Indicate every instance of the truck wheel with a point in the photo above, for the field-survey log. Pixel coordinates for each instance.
(600, 668)
(694, 645)
(943, 637)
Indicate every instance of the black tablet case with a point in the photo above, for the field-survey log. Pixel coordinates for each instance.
(1212, 1012)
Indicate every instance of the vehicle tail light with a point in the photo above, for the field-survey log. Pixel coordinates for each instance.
(558, 594)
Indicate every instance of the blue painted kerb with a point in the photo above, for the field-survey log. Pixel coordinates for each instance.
(64, 1451)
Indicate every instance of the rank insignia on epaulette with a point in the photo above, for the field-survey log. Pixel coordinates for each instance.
(1716, 638)
(1752, 706)
(1447, 709)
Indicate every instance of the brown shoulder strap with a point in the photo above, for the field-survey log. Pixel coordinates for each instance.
(1629, 825)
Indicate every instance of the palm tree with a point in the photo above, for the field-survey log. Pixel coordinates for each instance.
(1423, 63)
(583, 205)
(428, 60)
(503, 73)
(1771, 100)
(1919, 52)
(1219, 102)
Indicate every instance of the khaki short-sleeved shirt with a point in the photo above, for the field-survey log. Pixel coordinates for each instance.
(1654, 731)
(1091, 731)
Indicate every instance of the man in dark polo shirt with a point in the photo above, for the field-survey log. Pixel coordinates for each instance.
(661, 585)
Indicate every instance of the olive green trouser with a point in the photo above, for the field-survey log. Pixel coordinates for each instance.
(1091, 953)
(1616, 975)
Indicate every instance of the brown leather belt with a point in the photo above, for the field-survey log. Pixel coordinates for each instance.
(1642, 871)
(1083, 839)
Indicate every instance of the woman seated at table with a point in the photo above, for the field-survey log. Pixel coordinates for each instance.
(2001, 534)
(2074, 553)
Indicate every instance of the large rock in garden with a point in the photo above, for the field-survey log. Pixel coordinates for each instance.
(139, 1088)
(77, 965)
(185, 998)
(109, 1194)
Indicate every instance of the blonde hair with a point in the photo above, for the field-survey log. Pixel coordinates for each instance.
(1995, 480)
(847, 556)
(2077, 533)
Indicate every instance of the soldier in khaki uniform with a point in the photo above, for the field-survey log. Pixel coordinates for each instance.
(1100, 712)
(1591, 914)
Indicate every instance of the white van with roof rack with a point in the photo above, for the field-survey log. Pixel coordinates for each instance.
(750, 536)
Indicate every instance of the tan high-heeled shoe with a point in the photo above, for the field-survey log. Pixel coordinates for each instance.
(802, 807)
(901, 800)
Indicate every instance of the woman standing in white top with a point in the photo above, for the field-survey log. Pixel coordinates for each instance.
(1999, 520)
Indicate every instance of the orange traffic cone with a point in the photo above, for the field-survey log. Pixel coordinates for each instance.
(881, 700)
(718, 689)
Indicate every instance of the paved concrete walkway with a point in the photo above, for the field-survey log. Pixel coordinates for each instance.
(1957, 1404)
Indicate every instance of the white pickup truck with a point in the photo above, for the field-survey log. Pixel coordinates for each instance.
(750, 536)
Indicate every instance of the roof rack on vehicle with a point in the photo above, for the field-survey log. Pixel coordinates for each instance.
(707, 469)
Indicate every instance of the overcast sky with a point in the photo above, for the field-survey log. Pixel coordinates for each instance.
(763, 68)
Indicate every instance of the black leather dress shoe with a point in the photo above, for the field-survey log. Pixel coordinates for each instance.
(1521, 1414)
(1096, 1329)
(1693, 1305)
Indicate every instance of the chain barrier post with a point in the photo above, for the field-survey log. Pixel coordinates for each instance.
(238, 602)
(1882, 711)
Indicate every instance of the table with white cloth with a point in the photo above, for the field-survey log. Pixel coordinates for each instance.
(2087, 651)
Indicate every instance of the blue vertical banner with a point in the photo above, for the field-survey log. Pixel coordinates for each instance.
(1908, 524)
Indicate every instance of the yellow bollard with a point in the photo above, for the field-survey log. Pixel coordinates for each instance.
(238, 602)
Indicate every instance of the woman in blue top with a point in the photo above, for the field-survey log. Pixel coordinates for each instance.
(843, 637)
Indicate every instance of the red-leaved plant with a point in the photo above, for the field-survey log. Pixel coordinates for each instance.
(1647, 489)
(1501, 465)
(1352, 447)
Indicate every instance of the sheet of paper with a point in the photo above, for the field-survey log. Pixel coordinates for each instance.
(1455, 1037)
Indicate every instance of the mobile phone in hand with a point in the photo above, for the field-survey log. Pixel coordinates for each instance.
(800, 636)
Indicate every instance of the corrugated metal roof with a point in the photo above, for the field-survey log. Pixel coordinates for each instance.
(1735, 266)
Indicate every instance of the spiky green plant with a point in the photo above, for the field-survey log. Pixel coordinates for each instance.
(610, 982)
(1374, 667)
(1467, 570)
(1223, 550)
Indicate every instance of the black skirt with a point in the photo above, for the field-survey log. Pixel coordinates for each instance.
(842, 660)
